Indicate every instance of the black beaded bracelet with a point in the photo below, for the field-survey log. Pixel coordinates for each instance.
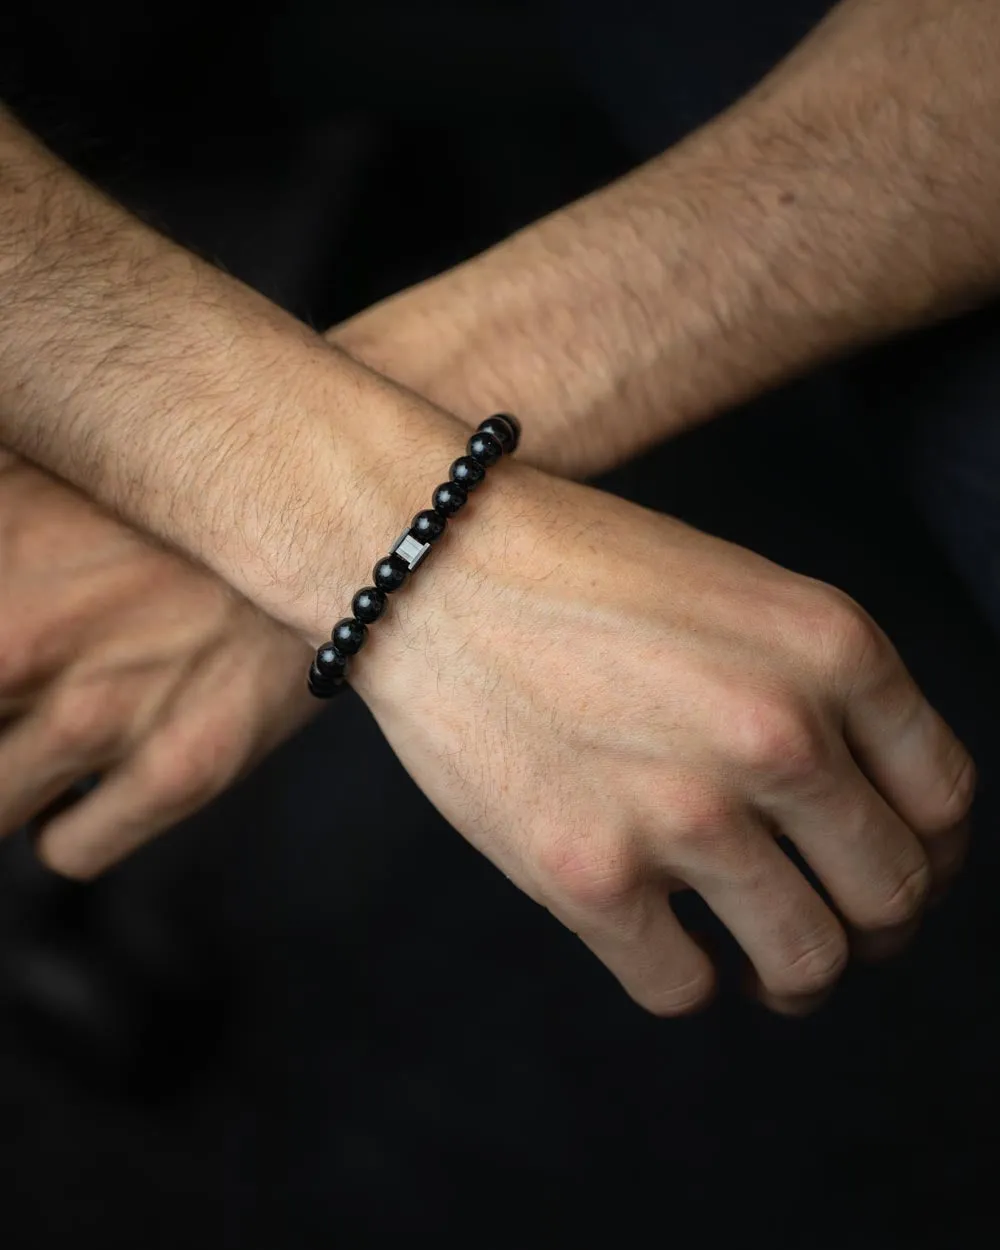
(494, 437)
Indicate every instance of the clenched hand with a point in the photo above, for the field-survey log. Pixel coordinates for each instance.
(607, 703)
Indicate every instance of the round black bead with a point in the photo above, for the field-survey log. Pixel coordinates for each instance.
(515, 425)
(369, 604)
(349, 635)
(390, 572)
(484, 447)
(467, 472)
(428, 526)
(502, 430)
(324, 687)
(449, 498)
(330, 661)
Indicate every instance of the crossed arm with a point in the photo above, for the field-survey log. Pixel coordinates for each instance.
(831, 206)
(853, 195)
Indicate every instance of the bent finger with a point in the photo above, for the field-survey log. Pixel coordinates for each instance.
(795, 942)
(34, 770)
(640, 940)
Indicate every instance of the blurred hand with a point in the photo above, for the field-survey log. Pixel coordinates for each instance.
(608, 703)
(122, 659)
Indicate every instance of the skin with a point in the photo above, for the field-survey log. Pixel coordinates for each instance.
(746, 702)
(851, 196)
(120, 658)
(643, 732)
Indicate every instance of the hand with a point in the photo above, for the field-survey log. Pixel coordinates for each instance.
(597, 697)
(120, 658)
(608, 703)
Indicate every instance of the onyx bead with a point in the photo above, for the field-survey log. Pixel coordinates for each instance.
(349, 635)
(449, 498)
(330, 661)
(369, 604)
(324, 687)
(515, 425)
(390, 572)
(484, 447)
(427, 527)
(502, 429)
(467, 472)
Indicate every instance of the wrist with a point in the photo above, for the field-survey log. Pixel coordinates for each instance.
(336, 469)
(588, 324)
(443, 620)
(494, 334)
(190, 406)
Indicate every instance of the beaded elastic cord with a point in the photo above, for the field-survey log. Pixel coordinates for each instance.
(493, 438)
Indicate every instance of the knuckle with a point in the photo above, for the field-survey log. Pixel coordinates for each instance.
(959, 790)
(681, 999)
(180, 770)
(859, 637)
(698, 824)
(815, 966)
(591, 878)
(907, 899)
(774, 737)
(83, 723)
(845, 629)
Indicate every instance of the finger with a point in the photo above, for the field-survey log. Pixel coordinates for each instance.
(803, 1005)
(34, 771)
(121, 814)
(796, 944)
(875, 868)
(631, 928)
(910, 754)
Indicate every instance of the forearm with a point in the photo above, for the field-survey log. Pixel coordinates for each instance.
(192, 407)
(854, 194)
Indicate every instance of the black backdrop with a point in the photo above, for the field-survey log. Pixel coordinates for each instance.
(288, 1027)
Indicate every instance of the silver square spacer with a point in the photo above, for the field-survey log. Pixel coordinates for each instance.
(411, 549)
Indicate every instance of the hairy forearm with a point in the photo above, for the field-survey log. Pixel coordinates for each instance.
(191, 406)
(855, 193)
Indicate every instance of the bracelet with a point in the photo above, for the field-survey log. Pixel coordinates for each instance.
(493, 438)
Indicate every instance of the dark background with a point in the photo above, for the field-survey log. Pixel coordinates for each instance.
(312, 1015)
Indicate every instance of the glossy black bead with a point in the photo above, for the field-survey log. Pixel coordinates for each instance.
(390, 572)
(427, 527)
(502, 430)
(369, 604)
(449, 498)
(330, 661)
(484, 447)
(349, 635)
(467, 472)
(515, 425)
(324, 687)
